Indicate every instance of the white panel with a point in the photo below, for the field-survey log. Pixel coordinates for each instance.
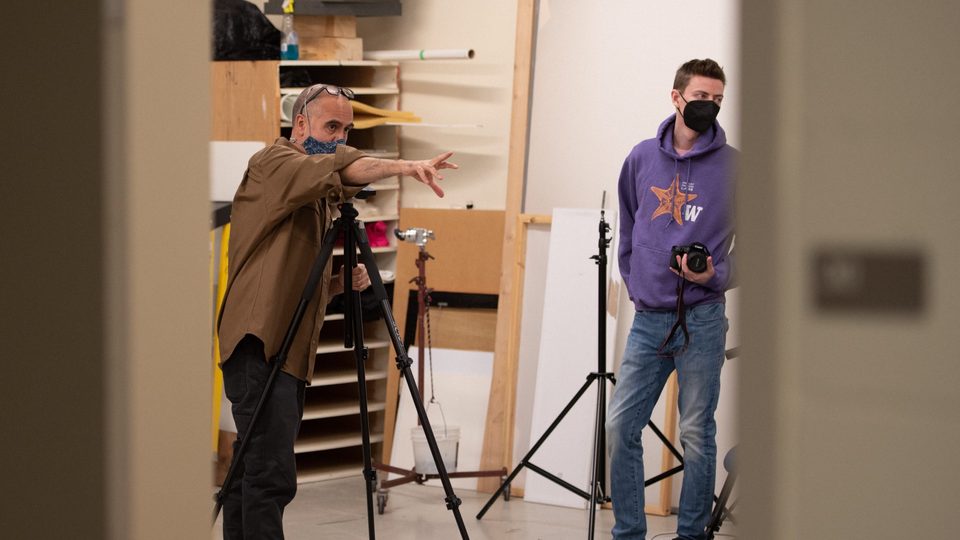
(534, 283)
(228, 162)
(568, 353)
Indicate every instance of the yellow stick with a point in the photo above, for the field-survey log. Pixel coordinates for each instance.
(217, 375)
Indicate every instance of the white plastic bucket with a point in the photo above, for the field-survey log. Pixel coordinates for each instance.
(448, 442)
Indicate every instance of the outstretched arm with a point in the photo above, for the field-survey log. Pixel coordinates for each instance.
(367, 170)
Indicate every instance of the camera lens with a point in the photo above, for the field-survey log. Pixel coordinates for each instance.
(696, 262)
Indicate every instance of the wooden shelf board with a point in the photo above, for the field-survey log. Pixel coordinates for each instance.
(286, 124)
(383, 249)
(345, 376)
(384, 187)
(332, 346)
(358, 90)
(332, 472)
(337, 63)
(330, 442)
(339, 408)
(382, 217)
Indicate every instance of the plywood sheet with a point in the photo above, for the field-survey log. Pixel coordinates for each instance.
(314, 26)
(467, 259)
(245, 99)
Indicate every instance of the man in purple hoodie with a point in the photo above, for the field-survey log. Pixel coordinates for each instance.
(675, 190)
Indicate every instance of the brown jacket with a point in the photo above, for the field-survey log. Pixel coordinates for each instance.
(281, 210)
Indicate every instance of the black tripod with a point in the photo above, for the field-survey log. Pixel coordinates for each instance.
(597, 492)
(355, 238)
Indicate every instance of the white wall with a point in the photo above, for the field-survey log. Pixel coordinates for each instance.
(455, 92)
(604, 70)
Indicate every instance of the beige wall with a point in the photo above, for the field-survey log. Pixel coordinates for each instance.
(850, 421)
(455, 92)
(106, 374)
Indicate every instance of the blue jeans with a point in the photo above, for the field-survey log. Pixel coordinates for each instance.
(642, 376)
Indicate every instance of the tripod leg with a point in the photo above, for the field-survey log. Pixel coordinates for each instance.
(309, 289)
(599, 446)
(502, 489)
(403, 363)
(525, 461)
(354, 338)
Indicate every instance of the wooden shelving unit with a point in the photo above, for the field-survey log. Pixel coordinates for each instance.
(329, 444)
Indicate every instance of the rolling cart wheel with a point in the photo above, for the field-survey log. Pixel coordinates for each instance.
(381, 501)
(506, 493)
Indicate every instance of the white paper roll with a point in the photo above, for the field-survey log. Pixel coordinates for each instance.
(286, 107)
(422, 54)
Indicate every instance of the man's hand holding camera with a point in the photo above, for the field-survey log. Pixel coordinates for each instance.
(692, 262)
(700, 278)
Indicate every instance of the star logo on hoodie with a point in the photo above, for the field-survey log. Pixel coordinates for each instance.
(671, 200)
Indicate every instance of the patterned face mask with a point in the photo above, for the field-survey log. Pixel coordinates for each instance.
(313, 146)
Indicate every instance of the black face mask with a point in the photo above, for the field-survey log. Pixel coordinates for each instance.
(700, 114)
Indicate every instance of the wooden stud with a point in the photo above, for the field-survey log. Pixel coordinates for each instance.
(497, 451)
(516, 320)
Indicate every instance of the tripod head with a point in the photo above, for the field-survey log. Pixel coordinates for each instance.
(415, 235)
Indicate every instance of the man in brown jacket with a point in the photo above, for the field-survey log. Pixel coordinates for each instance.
(286, 201)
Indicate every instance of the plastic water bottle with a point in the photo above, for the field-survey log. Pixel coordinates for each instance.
(290, 44)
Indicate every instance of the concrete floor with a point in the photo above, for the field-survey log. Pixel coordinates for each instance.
(336, 510)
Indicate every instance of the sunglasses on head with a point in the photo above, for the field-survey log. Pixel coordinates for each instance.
(332, 90)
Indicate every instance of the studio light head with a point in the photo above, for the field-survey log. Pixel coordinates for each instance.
(415, 235)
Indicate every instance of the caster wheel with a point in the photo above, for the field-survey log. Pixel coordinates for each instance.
(381, 502)
(506, 493)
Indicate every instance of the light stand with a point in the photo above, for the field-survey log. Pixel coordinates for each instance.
(355, 238)
(423, 299)
(597, 494)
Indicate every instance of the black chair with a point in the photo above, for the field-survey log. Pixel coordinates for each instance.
(720, 510)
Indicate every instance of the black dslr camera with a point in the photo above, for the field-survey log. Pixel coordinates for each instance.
(697, 254)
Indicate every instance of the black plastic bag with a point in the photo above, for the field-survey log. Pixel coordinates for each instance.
(242, 32)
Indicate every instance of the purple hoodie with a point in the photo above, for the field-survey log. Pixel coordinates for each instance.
(670, 200)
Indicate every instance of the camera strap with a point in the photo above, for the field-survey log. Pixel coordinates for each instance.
(679, 324)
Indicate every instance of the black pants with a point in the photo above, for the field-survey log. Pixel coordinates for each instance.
(266, 480)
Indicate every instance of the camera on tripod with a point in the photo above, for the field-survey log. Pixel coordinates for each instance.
(696, 253)
(415, 235)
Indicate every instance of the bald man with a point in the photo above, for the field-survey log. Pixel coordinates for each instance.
(286, 201)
